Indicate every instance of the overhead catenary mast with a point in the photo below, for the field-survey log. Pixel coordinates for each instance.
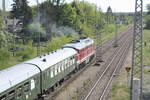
(116, 22)
(98, 38)
(137, 56)
(4, 9)
(38, 20)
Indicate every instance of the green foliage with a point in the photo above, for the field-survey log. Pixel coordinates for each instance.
(147, 19)
(36, 30)
(1, 22)
(4, 57)
(120, 92)
(2, 39)
(27, 52)
(21, 10)
(109, 29)
(148, 8)
(77, 16)
(67, 15)
(57, 42)
(146, 49)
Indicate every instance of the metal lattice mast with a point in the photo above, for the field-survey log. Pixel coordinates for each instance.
(4, 9)
(38, 44)
(116, 31)
(137, 63)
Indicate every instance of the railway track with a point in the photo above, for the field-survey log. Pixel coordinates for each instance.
(101, 86)
(106, 46)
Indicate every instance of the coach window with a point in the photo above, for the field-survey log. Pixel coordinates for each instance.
(62, 65)
(3, 97)
(69, 62)
(48, 72)
(55, 70)
(52, 74)
(26, 87)
(66, 63)
(59, 67)
(11, 95)
(19, 92)
(44, 75)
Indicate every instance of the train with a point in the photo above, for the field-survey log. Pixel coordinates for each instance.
(31, 79)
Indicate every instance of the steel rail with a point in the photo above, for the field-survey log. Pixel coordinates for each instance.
(111, 78)
(101, 76)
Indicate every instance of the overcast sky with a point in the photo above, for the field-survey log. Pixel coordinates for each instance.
(116, 5)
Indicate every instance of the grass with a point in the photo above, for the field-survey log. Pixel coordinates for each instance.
(120, 92)
(107, 36)
(146, 48)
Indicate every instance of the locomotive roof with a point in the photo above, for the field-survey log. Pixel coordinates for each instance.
(52, 58)
(80, 44)
(12, 76)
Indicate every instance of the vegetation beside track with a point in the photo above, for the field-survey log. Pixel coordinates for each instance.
(146, 49)
(29, 51)
(61, 24)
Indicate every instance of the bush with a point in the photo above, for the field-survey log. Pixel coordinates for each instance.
(4, 56)
(2, 39)
(147, 19)
(57, 42)
(27, 52)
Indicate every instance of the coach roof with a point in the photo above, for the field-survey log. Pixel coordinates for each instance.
(52, 58)
(12, 76)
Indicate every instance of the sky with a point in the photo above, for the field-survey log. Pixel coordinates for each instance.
(116, 5)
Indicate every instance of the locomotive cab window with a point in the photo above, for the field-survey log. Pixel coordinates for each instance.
(3, 97)
(73, 60)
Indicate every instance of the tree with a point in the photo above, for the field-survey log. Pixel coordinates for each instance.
(35, 30)
(109, 15)
(1, 22)
(148, 8)
(67, 15)
(2, 39)
(21, 11)
(147, 18)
